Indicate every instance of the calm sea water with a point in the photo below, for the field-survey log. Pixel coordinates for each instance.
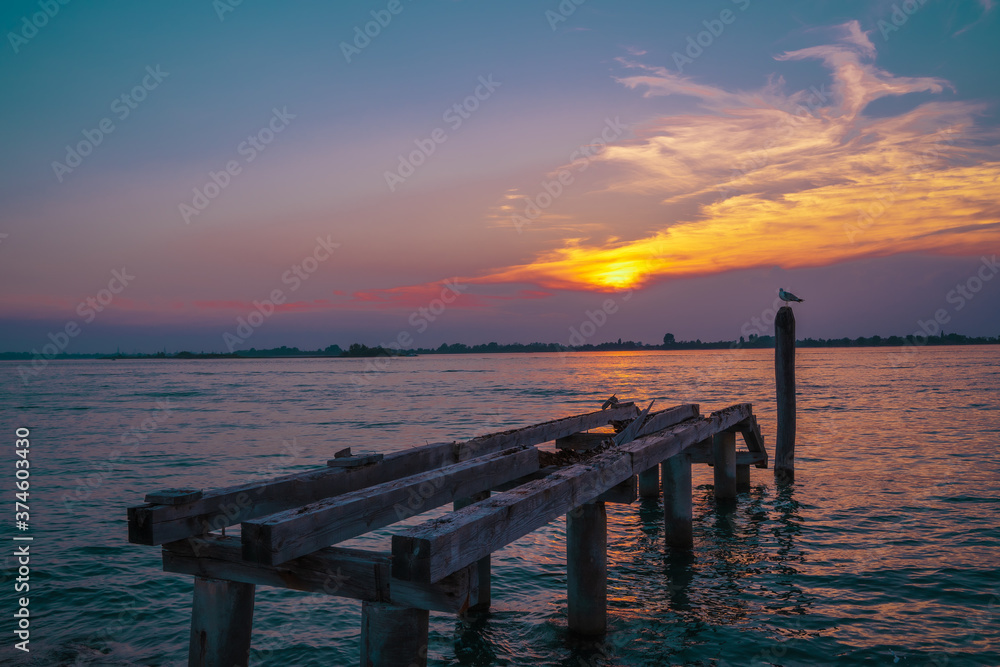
(886, 550)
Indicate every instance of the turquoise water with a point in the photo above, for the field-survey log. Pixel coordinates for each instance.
(886, 550)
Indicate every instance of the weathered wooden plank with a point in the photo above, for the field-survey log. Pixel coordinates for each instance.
(587, 569)
(750, 431)
(296, 532)
(431, 550)
(662, 419)
(349, 573)
(655, 421)
(393, 636)
(624, 493)
(583, 441)
(221, 623)
(157, 524)
(632, 430)
(784, 384)
(354, 460)
(649, 450)
(700, 455)
(173, 496)
(539, 433)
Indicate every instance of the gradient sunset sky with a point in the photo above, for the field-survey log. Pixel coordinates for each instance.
(680, 161)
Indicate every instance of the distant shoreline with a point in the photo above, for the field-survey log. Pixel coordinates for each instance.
(358, 350)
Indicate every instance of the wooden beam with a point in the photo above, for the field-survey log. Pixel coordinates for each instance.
(296, 532)
(703, 454)
(753, 439)
(742, 478)
(432, 550)
(649, 483)
(484, 566)
(784, 385)
(587, 569)
(724, 453)
(349, 573)
(221, 623)
(677, 503)
(583, 441)
(393, 636)
(649, 450)
(158, 524)
(624, 493)
(657, 421)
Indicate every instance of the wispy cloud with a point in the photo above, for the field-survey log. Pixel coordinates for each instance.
(774, 177)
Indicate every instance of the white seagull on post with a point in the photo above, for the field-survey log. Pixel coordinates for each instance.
(788, 296)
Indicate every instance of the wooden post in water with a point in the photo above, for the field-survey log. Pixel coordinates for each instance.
(743, 478)
(649, 483)
(221, 623)
(485, 569)
(724, 460)
(677, 501)
(392, 636)
(784, 382)
(587, 569)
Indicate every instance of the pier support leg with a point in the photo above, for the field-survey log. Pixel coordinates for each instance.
(724, 462)
(649, 483)
(221, 623)
(485, 569)
(393, 636)
(587, 569)
(784, 384)
(677, 501)
(743, 479)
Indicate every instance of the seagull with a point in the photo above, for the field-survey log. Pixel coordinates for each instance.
(788, 296)
(611, 402)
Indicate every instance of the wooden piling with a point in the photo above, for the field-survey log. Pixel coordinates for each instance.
(221, 623)
(649, 483)
(484, 565)
(724, 460)
(393, 636)
(784, 381)
(743, 478)
(587, 569)
(677, 501)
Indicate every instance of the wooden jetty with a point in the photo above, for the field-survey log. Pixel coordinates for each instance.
(502, 486)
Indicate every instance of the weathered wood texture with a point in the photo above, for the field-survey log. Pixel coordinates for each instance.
(587, 569)
(393, 636)
(654, 421)
(296, 532)
(754, 440)
(677, 504)
(724, 454)
(221, 623)
(583, 442)
(483, 566)
(349, 573)
(158, 524)
(784, 383)
(657, 421)
(432, 550)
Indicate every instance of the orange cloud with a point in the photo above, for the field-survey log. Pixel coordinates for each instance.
(774, 178)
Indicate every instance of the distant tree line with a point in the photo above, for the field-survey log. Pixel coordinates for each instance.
(669, 343)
